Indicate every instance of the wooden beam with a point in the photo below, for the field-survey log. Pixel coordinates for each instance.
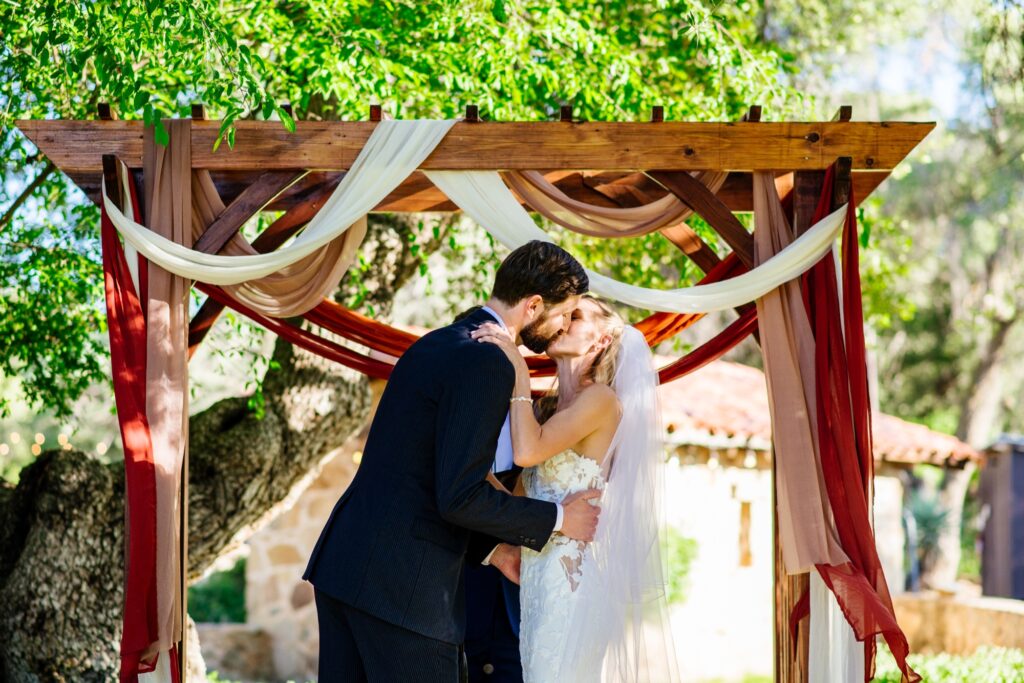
(245, 206)
(844, 113)
(690, 243)
(843, 182)
(698, 197)
(333, 145)
(109, 162)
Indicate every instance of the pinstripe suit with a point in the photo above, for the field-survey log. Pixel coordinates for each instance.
(394, 546)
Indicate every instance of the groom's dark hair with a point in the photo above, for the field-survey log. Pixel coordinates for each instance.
(539, 268)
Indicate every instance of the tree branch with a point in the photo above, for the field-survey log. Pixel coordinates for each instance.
(23, 197)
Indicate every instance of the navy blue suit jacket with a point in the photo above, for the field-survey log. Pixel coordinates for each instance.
(395, 543)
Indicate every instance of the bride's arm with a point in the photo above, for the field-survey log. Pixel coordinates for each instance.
(532, 442)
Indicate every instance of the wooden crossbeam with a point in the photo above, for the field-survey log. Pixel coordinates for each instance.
(75, 146)
(698, 197)
(632, 190)
(245, 206)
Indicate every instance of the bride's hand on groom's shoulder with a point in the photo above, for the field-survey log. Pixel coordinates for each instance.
(493, 333)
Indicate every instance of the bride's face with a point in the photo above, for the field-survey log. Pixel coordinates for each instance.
(585, 334)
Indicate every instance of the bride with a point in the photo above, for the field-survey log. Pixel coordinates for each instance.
(593, 612)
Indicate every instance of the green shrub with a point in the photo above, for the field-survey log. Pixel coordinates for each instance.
(678, 553)
(986, 665)
(219, 597)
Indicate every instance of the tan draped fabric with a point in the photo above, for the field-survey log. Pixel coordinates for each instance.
(297, 287)
(806, 528)
(599, 221)
(168, 213)
(179, 205)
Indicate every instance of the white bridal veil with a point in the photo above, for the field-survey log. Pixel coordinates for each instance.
(622, 610)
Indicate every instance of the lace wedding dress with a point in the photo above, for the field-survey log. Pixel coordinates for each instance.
(550, 579)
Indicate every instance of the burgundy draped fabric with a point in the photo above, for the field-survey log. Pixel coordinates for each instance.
(844, 432)
(305, 339)
(126, 326)
(711, 350)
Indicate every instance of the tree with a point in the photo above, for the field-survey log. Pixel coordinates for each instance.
(241, 58)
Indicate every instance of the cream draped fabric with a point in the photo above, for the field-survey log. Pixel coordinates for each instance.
(393, 152)
(599, 221)
(488, 201)
(296, 287)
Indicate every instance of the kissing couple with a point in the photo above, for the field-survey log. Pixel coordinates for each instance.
(468, 486)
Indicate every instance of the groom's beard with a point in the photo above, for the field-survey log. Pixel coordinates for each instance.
(533, 340)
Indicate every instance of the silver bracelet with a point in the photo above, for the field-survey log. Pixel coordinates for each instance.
(520, 398)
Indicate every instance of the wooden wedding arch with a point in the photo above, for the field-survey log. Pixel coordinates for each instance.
(616, 165)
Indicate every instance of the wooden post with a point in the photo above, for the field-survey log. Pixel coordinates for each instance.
(104, 112)
(844, 114)
(565, 113)
(375, 112)
(753, 114)
(199, 112)
(472, 113)
(657, 114)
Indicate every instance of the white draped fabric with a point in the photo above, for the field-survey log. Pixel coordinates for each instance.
(836, 656)
(392, 153)
(488, 201)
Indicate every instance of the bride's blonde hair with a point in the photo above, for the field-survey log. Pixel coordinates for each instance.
(602, 369)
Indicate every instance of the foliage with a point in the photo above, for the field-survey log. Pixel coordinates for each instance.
(678, 555)
(955, 363)
(516, 60)
(220, 597)
(930, 521)
(986, 665)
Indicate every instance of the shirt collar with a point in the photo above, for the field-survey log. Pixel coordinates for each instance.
(497, 317)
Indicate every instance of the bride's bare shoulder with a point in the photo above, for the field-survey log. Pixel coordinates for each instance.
(603, 397)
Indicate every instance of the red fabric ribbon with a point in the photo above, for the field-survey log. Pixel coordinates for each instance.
(126, 326)
(844, 434)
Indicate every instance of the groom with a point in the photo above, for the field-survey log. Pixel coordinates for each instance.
(387, 569)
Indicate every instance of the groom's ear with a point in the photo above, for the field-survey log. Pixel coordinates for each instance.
(533, 306)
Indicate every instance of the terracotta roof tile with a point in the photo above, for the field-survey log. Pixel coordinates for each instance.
(727, 403)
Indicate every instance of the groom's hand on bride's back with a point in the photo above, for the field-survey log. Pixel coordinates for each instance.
(579, 519)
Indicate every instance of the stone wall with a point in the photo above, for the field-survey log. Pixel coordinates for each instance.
(277, 600)
(237, 652)
(935, 622)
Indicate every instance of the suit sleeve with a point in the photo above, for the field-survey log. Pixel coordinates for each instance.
(471, 410)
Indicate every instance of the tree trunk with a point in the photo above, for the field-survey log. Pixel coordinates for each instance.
(62, 527)
(978, 416)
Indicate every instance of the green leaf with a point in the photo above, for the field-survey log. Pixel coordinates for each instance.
(160, 134)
